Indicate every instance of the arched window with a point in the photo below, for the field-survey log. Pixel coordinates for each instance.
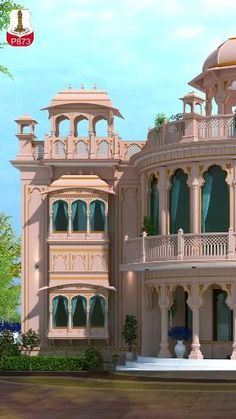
(97, 215)
(60, 215)
(215, 191)
(79, 311)
(179, 203)
(154, 204)
(62, 126)
(100, 126)
(222, 317)
(81, 126)
(79, 216)
(97, 311)
(60, 311)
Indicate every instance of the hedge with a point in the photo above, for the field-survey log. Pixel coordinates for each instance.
(42, 363)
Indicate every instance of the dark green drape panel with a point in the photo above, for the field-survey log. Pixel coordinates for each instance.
(79, 311)
(179, 203)
(97, 311)
(60, 311)
(215, 201)
(60, 215)
(154, 205)
(222, 317)
(79, 216)
(97, 215)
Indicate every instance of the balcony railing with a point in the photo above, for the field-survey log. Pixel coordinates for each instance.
(195, 127)
(179, 247)
(85, 148)
(79, 333)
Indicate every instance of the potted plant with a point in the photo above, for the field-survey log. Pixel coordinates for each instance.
(130, 334)
(148, 226)
(180, 334)
(160, 119)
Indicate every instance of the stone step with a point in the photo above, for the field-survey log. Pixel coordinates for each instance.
(176, 364)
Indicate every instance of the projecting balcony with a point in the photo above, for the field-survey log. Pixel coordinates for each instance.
(79, 333)
(179, 251)
(84, 148)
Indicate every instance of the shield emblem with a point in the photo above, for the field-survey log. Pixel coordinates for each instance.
(20, 32)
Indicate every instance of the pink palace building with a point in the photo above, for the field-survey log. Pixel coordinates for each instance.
(85, 262)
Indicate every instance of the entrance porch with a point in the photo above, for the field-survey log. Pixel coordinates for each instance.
(208, 308)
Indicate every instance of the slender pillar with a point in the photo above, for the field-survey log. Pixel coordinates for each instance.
(50, 320)
(163, 201)
(106, 219)
(233, 356)
(164, 306)
(69, 317)
(195, 347)
(88, 219)
(194, 200)
(50, 224)
(143, 180)
(69, 222)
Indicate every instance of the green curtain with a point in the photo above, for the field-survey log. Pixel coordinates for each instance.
(97, 311)
(206, 198)
(79, 216)
(179, 203)
(215, 201)
(73, 306)
(97, 215)
(60, 215)
(55, 302)
(222, 315)
(155, 205)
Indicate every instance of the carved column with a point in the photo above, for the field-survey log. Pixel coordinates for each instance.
(164, 306)
(144, 186)
(50, 223)
(194, 185)
(88, 219)
(195, 301)
(231, 302)
(69, 219)
(69, 316)
(233, 186)
(50, 319)
(163, 210)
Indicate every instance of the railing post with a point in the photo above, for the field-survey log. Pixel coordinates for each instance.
(144, 235)
(231, 244)
(180, 245)
(125, 257)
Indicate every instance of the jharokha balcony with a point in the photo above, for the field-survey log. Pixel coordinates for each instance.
(179, 251)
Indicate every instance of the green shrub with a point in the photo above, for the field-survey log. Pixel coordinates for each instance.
(7, 345)
(93, 358)
(15, 363)
(30, 340)
(41, 363)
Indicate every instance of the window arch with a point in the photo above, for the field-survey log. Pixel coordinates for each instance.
(78, 311)
(179, 203)
(214, 215)
(97, 215)
(81, 124)
(97, 311)
(154, 204)
(100, 126)
(60, 215)
(62, 126)
(222, 317)
(79, 215)
(60, 311)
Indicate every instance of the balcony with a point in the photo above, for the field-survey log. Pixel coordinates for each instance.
(179, 251)
(85, 148)
(194, 127)
(79, 333)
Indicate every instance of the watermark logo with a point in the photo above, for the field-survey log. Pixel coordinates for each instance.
(20, 32)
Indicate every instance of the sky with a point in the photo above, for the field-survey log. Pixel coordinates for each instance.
(142, 52)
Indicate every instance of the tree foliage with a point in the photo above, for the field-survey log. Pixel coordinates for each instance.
(6, 6)
(130, 330)
(160, 119)
(9, 270)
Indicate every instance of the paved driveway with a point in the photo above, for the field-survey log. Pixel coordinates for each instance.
(55, 397)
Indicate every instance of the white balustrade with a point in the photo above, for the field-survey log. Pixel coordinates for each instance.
(180, 247)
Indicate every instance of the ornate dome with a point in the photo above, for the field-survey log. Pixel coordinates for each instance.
(223, 56)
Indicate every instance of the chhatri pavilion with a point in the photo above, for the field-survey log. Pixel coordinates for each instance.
(85, 262)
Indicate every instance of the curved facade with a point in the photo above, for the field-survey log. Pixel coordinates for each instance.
(86, 197)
